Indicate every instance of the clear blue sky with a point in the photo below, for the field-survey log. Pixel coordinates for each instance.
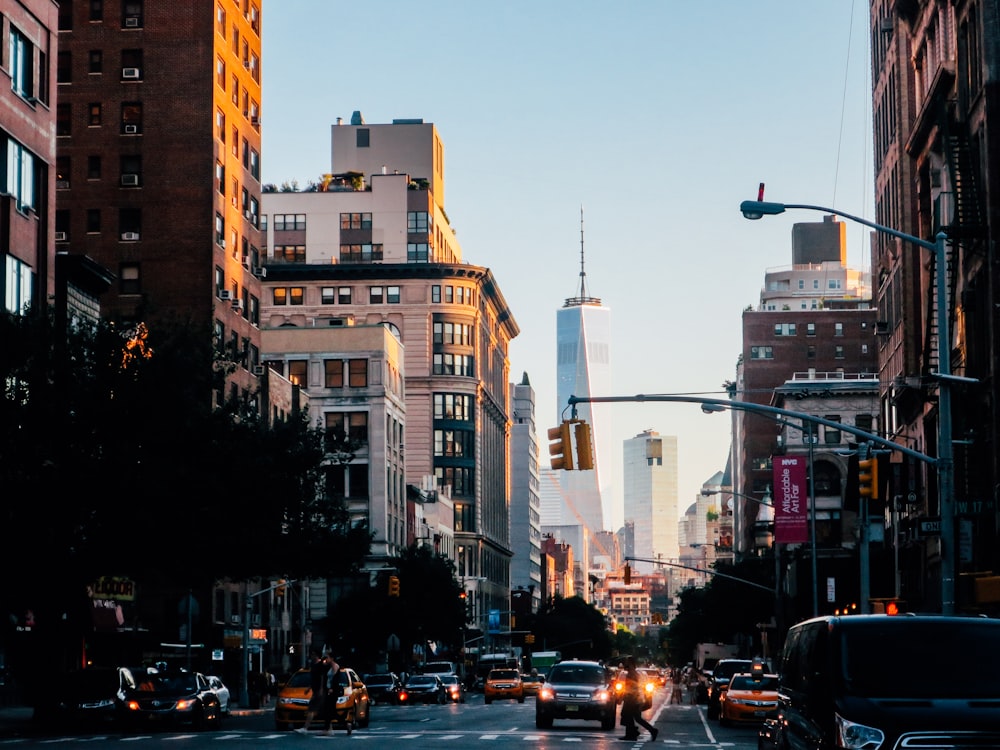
(657, 116)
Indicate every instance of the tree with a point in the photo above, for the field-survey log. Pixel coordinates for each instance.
(574, 627)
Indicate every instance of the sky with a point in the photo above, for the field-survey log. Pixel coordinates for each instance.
(655, 117)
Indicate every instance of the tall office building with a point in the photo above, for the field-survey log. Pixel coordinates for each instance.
(158, 162)
(583, 368)
(650, 476)
(525, 513)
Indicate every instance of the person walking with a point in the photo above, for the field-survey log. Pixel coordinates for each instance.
(632, 705)
(334, 690)
(317, 684)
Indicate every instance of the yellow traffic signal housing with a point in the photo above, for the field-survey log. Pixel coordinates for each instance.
(561, 447)
(868, 478)
(393, 585)
(628, 574)
(584, 447)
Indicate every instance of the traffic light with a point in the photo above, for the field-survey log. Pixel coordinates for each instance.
(628, 574)
(561, 447)
(393, 585)
(868, 477)
(584, 447)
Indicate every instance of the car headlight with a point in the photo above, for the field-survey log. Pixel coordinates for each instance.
(186, 704)
(545, 694)
(857, 736)
(602, 696)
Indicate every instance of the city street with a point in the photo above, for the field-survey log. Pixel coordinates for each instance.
(500, 725)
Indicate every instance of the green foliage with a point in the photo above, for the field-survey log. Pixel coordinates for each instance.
(574, 627)
(114, 463)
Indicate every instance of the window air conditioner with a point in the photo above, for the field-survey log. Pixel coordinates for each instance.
(130, 180)
(60, 236)
(62, 184)
(225, 294)
(131, 129)
(260, 271)
(258, 370)
(132, 22)
(130, 72)
(221, 243)
(234, 619)
(237, 304)
(130, 236)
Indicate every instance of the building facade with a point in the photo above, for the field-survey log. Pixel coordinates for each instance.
(525, 513)
(650, 492)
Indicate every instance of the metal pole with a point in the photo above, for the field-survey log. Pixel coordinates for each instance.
(865, 558)
(945, 467)
(244, 669)
(812, 526)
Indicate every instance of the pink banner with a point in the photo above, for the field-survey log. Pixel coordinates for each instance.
(791, 503)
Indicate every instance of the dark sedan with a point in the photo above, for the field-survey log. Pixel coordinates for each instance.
(383, 687)
(174, 697)
(423, 688)
(95, 695)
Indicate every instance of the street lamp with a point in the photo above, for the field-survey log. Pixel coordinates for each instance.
(944, 464)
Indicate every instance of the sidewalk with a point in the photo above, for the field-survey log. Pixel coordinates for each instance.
(19, 720)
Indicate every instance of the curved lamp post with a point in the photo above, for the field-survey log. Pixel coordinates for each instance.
(944, 464)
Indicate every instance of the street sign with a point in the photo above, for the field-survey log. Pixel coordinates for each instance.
(930, 527)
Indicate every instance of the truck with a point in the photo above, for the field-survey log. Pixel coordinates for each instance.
(707, 654)
(542, 661)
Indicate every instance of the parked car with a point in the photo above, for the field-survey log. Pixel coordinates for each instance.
(580, 690)
(531, 683)
(423, 688)
(750, 698)
(454, 687)
(722, 673)
(383, 687)
(173, 697)
(503, 684)
(217, 686)
(95, 695)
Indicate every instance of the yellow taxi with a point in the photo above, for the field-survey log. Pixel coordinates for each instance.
(503, 684)
(352, 707)
(531, 683)
(750, 698)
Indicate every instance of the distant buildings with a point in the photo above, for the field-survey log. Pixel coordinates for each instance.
(650, 477)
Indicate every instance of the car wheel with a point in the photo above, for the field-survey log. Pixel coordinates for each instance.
(366, 717)
(543, 722)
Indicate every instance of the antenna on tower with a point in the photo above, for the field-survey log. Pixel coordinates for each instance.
(582, 298)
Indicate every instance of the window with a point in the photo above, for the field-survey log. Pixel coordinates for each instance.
(457, 406)
(356, 221)
(220, 124)
(93, 167)
(128, 276)
(18, 297)
(62, 221)
(279, 296)
(93, 220)
(344, 295)
(436, 293)
(254, 211)
(131, 118)
(297, 369)
(65, 17)
(417, 252)
(327, 295)
(220, 229)
(864, 422)
(95, 61)
(255, 19)
(96, 10)
(454, 443)
(810, 329)
(375, 296)
(132, 14)
(62, 172)
(838, 352)
(447, 363)
(833, 284)
(220, 20)
(417, 222)
(784, 329)
(63, 119)
(838, 329)
(831, 436)
(296, 295)
(254, 164)
(392, 295)
(130, 223)
(361, 253)
(761, 352)
(21, 64)
(220, 177)
(811, 351)
(64, 67)
(289, 222)
(131, 170)
(19, 180)
(94, 114)
(333, 370)
(363, 138)
(290, 253)
(220, 73)
(255, 67)
(357, 373)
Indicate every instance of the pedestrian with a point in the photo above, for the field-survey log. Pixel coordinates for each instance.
(694, 681)
(317, 683)
(334, 689)
(632, 705)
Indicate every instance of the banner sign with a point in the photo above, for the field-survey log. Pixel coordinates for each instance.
(791, 505)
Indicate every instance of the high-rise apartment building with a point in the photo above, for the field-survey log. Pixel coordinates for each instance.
(158, 112)
(525, 513)
(27, 182)
(376, 249)
(651, 503)
(583, 368)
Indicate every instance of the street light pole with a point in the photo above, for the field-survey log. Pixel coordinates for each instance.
(944, 464)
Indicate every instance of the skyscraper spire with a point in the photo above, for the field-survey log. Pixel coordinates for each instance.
(582, 298)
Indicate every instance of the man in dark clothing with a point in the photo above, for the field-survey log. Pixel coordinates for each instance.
(632, 704)
(317, 684)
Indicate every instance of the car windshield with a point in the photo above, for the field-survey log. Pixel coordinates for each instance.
(504, 674)
(927, 659)
(747, 682)
(175, 684)
(449, 679)
(378, 680)
(726, 669)
(578, 675)
(300, 680)
(418, 681)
